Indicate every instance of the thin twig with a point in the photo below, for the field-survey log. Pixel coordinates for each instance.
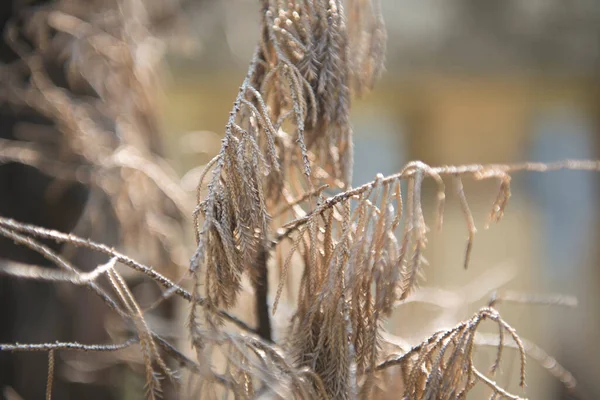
(538, 354)
(50, 379)
(67, 346)
(471, 169)
(101, 248)
(508, 296)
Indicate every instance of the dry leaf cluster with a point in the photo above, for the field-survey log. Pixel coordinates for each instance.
(262, 209)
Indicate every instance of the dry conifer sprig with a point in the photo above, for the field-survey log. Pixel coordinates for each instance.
(290, 119)
(116, 295)
(442, 366)
(287, 140)
(350, 254)
(291, 113)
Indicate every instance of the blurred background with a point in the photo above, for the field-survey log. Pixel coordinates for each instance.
(467, 81)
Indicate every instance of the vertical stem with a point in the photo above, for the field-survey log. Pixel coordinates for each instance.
(50, 379)
(261, 290)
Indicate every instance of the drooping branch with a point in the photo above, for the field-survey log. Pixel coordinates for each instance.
(35, 231)
(456, 346)
(476, 171)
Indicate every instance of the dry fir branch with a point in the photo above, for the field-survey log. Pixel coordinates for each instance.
(290, 115)
(119, 299)
(128, 308)
(287, 139)
(287, 136)
(289, 127)
(442, 367)
(355, 269)
(122, 302)
(536, 353)
(23, 234)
